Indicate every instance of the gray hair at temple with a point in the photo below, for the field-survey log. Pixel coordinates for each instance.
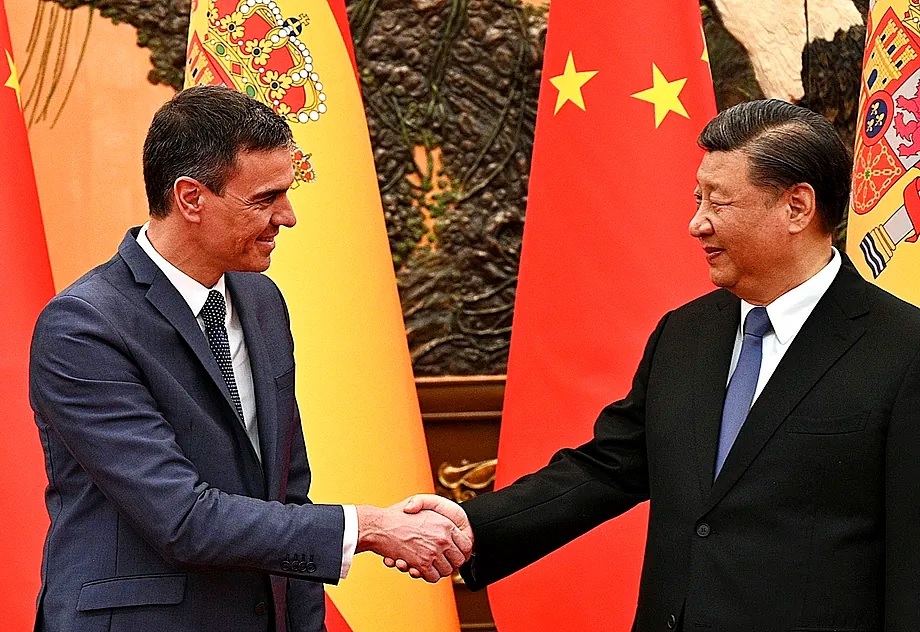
(787, 145)
(198, 134)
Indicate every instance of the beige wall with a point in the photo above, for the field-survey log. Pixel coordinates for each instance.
(88, 166)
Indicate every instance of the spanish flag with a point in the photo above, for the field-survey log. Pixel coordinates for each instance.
(884, 218)
(606, 252)
(25, 287)
(355, 385)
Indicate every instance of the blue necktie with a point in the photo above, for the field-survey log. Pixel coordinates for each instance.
(741, 386)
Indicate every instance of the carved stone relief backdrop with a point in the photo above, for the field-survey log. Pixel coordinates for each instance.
(450, 89)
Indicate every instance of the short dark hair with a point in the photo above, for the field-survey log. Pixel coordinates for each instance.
(786, 145)
(199, 133)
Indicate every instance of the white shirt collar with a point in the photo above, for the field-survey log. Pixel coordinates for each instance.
(194, 293)
(789, 311)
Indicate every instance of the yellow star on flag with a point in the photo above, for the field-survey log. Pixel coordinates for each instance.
(664, 95)
(569, 84)
(13, 81)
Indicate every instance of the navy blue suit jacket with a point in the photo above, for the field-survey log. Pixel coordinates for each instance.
(162, 517)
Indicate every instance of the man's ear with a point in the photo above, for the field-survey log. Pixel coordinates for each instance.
(188, 196)
(802, 206)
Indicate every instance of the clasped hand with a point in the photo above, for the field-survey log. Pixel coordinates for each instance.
(425, 535)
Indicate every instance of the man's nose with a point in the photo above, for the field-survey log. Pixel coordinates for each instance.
(285, 214)
(700, 225)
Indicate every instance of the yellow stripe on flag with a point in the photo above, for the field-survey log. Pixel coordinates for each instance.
(354, 380)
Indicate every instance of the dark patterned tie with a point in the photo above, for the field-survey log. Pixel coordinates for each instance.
(743, 383)
(213, 314)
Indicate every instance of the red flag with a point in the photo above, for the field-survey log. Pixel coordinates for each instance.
(335, 622)
(25, 287)
(626, 90)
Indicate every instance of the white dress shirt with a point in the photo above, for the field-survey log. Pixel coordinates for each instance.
(787, 314)
(195, 294)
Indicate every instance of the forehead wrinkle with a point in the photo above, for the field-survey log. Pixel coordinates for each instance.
(711, 181)
(731, 171)
(274, 183)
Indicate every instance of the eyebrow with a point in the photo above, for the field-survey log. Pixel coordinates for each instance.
(711, 184)
(270, 192)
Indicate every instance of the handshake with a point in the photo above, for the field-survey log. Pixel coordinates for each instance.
(425, 535)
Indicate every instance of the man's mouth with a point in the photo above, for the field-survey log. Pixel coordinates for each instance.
(267, 241)
(712, 252)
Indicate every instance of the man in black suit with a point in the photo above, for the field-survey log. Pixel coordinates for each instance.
(774, 423)
(163, 388)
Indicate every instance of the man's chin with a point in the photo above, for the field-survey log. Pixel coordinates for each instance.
(256, 265)
(719, 279)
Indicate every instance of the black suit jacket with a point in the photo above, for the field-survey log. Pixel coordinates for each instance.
(814, 521)
(162, 516)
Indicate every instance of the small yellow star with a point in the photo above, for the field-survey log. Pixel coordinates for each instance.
(705, 56)
(664, 95)
(569, 84)
(13, 81)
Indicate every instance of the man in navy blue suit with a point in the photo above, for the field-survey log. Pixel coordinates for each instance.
(163, 388)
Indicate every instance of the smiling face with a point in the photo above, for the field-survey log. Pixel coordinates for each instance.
(745, 230)
(238, 228)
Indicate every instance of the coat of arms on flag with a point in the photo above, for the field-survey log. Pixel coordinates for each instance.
(886, 180)
(251, 46)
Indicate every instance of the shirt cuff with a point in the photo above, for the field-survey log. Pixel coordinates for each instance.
(350, 538)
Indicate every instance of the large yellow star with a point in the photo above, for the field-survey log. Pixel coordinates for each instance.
(569, 84)
(664, 95)
(13, 81)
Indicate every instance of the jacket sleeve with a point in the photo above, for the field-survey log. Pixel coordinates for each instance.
(87, 387)
(578, 490)
(305, 599)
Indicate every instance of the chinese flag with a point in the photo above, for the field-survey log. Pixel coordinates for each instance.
(25, 287)
(626, 90)
(355, 385)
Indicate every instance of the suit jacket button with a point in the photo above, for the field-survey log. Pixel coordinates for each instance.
(703, 530)
(261, 608)
(310, 567)
(672, 621)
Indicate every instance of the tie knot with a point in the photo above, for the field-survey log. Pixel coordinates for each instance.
(214, 310)
(757, 322)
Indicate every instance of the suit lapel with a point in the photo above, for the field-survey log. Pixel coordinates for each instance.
(828, 332)
(262, 378)
(165, 298)
(716, 341)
